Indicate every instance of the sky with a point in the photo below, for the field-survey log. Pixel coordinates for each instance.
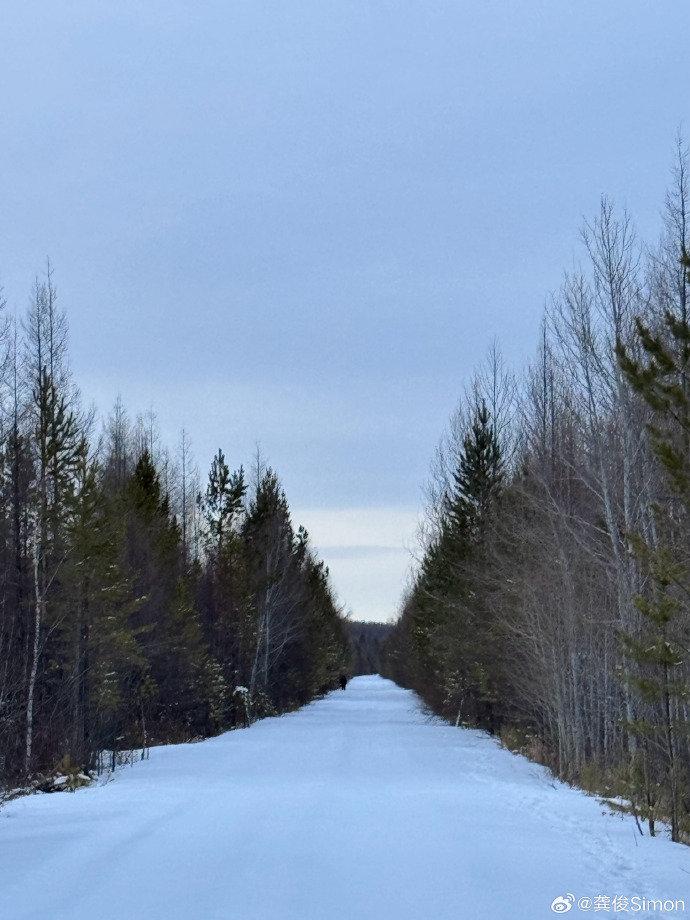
(301, 224)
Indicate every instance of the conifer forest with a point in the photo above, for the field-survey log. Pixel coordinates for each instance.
(138, 603)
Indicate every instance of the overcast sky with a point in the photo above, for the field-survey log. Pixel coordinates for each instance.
(302, 223)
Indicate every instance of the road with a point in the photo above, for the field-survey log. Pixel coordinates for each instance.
(357, 807)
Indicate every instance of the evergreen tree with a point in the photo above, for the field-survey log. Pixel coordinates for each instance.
(451, 628)
(58, 444)
(477, 478)
(108, 666)
(224, 501)
(269, 543)
(224, 600)
(662, 378)
(659, 651)
(170, 634)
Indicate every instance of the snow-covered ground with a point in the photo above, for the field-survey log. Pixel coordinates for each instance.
(358, 807)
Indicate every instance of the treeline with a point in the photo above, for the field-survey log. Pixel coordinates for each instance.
(367, 641)
(136, 605)
(551, 602)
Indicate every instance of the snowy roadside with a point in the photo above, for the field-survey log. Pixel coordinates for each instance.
(356, 806)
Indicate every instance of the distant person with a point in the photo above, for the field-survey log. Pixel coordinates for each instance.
(343, 681)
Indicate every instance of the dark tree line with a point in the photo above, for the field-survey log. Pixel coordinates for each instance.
(136, 605)
(551, 602)
(367, 641)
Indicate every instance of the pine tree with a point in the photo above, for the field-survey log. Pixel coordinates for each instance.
(179, 668)
(269, 545)
(660, 655)
(107, 662)
(476, 484)
(225, 602)
(224, 501)
(58, 443)
(662, 378)
(451, 626)
(16, 499)
(477, 478)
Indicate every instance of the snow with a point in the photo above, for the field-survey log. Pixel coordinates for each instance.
(358, 806)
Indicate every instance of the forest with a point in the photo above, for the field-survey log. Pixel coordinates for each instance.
(368, 642)
(550, 602)
(138, 605)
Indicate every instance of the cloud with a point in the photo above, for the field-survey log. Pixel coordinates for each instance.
(359, 552)
(368, 552)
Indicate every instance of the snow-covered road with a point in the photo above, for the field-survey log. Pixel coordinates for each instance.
(358, 807)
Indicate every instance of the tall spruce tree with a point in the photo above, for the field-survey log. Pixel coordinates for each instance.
(224, 598)
(476, 480)
(170, 632)
(452, 629)
(662, 378)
